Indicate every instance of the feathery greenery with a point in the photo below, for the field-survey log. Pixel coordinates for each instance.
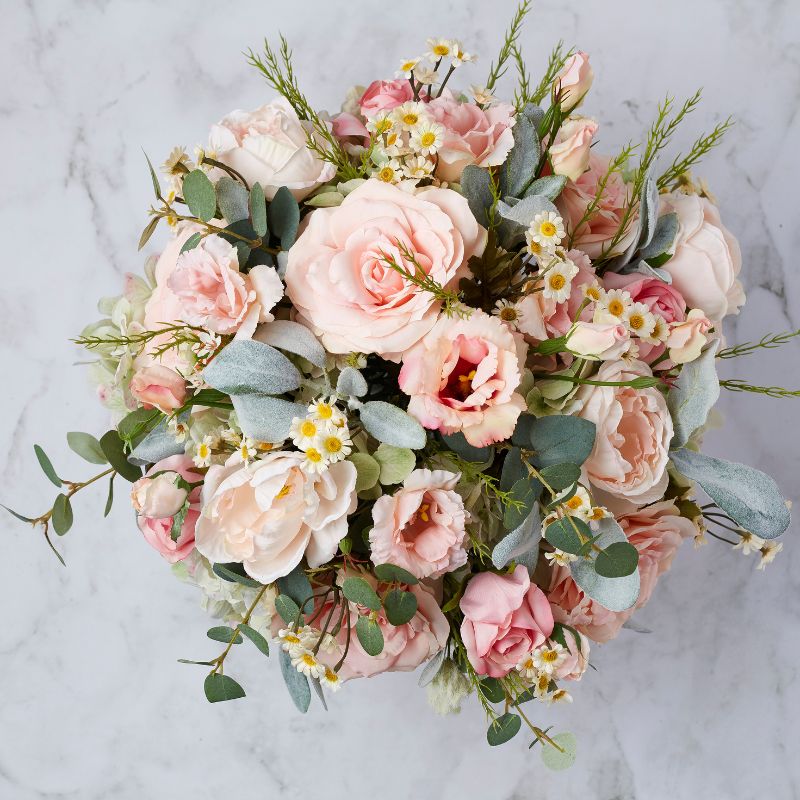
(735, 385)
(702, 145)
(767, 342)
(507, 50)
(555, 64)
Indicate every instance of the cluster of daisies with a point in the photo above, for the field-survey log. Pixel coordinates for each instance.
(538, 670)
(303, 646)
(575, 502)
(322, 435)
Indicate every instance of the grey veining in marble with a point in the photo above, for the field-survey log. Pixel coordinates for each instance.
(93, 704)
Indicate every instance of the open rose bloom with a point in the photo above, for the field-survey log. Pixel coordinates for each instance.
(424, 381)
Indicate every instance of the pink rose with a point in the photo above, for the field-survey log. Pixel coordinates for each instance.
(574, 80)
(595, 235)
(505, 618)
(656, 531)
(384, 96)
(634, 428)
(158, 497)
(472, 135)
(269, 146)
(158, 387)
(604, 341)
(341, 284)
(215, 295)
(686, 339)
(707, 259)
(462, 377)
(569, 152)
(421, 526)
(268, 515)
(157, 530)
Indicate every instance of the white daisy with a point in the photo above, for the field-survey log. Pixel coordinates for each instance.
(548, 659)
(334, 445)
(542, 685)
(481, 95)
(391, 172)
(304, 431)
(640, 320)
(406, 67)
(560, 558)
(177, 162)
(508, 312)
(324, 410)
(307, 664)
(439, 48)
(526, 668)
(547, 229)
(427, 137)
(558, 281)
(659, 333)
(245, 452)
(202, 452)
(417, 167)
(616, 302)
(291, 641)
(207, 345)
(380, 124)
(768, 553)
(558, 696)
(178, 429)
(314, 461)
(409, 115)
(749, 543)
(425, 75)
(330, 680)
(579, 505)
(459, 56)
(593, 292)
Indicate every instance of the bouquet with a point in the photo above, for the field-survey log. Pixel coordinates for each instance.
(424, 382)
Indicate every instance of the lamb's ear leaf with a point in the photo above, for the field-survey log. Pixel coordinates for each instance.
(549, 186)
(476, 187)
(693, 395)
(520, 166)
(431, 669)
(292, 337)
(265, 418)
(521, 544)
(296, 683)
(390, 424)
(245, 366)
(351, 383)
(159, 443)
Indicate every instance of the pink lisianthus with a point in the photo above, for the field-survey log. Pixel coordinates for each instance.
(656, 531)
(384, 96)
(574, 80)
(570, 150)
(339, 275)
(686, 339)
(462, 377)
(157, 530)
(472, 135)
(421, 526)
(505, 618)
(158, 387)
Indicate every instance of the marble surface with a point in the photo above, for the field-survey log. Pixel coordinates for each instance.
(93, 703)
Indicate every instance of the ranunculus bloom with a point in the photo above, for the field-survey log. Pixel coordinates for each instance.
(472, 135)
(159, 387)
(384, 96)
(268, 515)
(604, 341)
(421, 526)
(634, 428)
(569, 152)
(505, 617)
(215, 295)
(462, 377)
(707, 259)
(595, 236)
(656, 531)
(686, 339)
(157, 530)
(158, 497)
(575, 80)
(268, 146)
(341, 284)
(405, 647)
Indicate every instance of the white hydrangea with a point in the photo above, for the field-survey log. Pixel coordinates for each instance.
(448, 689)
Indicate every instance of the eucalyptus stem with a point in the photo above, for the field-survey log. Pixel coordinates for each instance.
(220, 659)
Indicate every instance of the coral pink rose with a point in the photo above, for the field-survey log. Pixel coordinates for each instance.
(157, 530)
(634, 428)
(158, 387)
(569, 152)
(340, 282)
(384, 96)
(215, 295)
(604, 341)
(574, 80)
(268, 515)
(707, 259)
(462, 377)
(505, 618)
(269, 146)
(595, 235)
(686, 339)
(472, 135)
(421, 526)
(656, 531)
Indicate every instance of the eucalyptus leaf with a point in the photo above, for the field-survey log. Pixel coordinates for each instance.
(133, 427)
(390, 424)
(617, 560)
(492, 690)
(292, 337)
(148, 231)
(232, 199)
(20, 517)
(255, 637)
(234, 573)
(87, 447)
(370, 636)
(159, 443)
(693, 395)
(549, 186)
(351, 383)
(521, 544)
(556, 759)
(565, 534)
(114, 450)
(367, 468)
(284, 214)
(520, 165)
(297, 586)
(192, 242)
(476, 187)
(258, 210)
(222, 633)
(199, 194)
(525, 493)
(287, 608)
(110, 496)
(153, 177)
(513, 469)
(561, 476)
(458, 443)
(431, 669)
(296, 682)
(358, 591)
(397, 463)
(219, 688)
(400, 606)
(390, 573)
(46, 465)
(264, 418)
(246, 366)
(62, 514)
(560, 439)
(503, 729)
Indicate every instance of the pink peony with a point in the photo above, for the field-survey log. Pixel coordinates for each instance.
(569, 152)
(472, 135)
(574, 80)
(462, 377)
(505, 618)
(158, 387)
(384, 96)
(421, 526)
(339, 279)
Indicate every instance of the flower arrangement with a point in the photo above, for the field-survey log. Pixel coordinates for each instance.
(425, 382)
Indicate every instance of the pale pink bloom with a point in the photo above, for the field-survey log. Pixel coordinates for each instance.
(269, 514)
(269, 146)
(384, 96)
(338, 274)
(158, 387)
(472, 135)
(575, 664)
(574, 80)
(633, 432)
(505, 618)
(157, 531)
(569, 152)
(656, 531)
(594, 236)
(349, 128)
(707, 259)
(462, 377)
(686, 339)
(605, 341)
(158, 497)
(421, 526)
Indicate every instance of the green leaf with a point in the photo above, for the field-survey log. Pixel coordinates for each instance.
(397, 463)
(351, 383)
(693, 395)
(192, 242)
(62, 514)
(258, 210)
(358, 591)
(255, 637)
(521, 544)
(390, 424)
(178, 520)
(232, 199)
(401, 606)
(296, 682)
(46, 465)
(297, 586)
(563, 536)
(219, 688)
(561, 476)
(133, 427)
(549, 186)
(199, 663)
(492, 690)
(294, 338)
(18, 516)
(476, 187)
(110, 498)
(158, 443)
(86, 446)
(199, 194)
(503, 729)
(389, 573)
(556, 759)
(521, 163)
(222, 633)
(246, 366)
(617, 560)
(148, 231)
(265, 418)
(234, 573)
(525, 492)
(153, 177)
(287, 608)
(370, 636)
(367, 468)
(284, 215)
(513, 469)
(560, 439)
(663, 241)
(518, 217)
(114, 450)
(458, 443)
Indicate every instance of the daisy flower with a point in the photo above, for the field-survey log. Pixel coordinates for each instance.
(325, 411)
(303, 432)
(579, 505)
(380, 124)
(409, 115)
(389, 172)
(558, 696)
(549, 659)
(593, 292)
(290, 641)
(640, 320)
(459, 56)
(426, 75)
(526, 668)
(406, 68)
(178, 429)
(245, 452)
(558, 281)
(177, 162)
(307, 664)
(417, 167)
(616, 302)
(659, 333)
(547, 229)
(508, 312)
(202, 452)
(334, 445)
(481, 95)
(542, 685)
(330, 680)
(749, 543)
(560, 558)
(314, 461)
(207, 345)
(439, 48)
(768, 553)
(427, 138)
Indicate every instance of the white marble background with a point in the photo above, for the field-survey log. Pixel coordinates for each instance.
(93, 703)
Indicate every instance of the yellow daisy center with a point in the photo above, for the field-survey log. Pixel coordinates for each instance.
(309, 660)
(427, 138)
(383, 126)
(333, 444)
(308, 428)
(331, 675)
(313, 455)
(636, 321)
(547, 228)
(574, 503)
(203, 451)
(535, 248)
(597, 513)
(557, 282)
(508, 313)
(543, 682)
(407, 65)
(324, 410)
(616, 307)
(593, 293)
(291, 638)
(441, 50)
(386, 174)
(549, 656)
(410, 118)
